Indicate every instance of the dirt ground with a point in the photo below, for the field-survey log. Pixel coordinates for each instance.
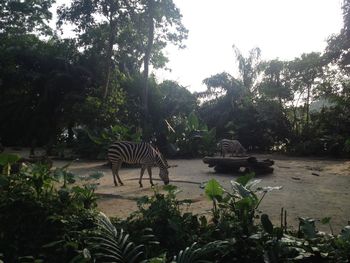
(314, 188)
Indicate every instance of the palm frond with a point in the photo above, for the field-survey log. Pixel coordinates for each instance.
(196, 254)
(109, 244)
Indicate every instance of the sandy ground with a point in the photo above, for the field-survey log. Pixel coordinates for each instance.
(314, 188)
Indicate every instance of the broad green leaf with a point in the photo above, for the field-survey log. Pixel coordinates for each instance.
(193, 121)
(307, 226)
(240, 190)
(243, 180)
(246, 203)
(252, 183)
(213, 189)
(8, 158)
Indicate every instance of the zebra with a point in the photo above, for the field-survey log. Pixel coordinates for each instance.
(231, 146)
(140, 153)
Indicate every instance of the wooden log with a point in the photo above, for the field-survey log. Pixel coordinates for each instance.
(230, 161)
(239, 164)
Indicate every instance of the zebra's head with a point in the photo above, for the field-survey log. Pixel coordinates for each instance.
(163, 167)
(162, 164)
(164, 175)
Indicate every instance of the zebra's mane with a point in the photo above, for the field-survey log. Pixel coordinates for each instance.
(159, 155)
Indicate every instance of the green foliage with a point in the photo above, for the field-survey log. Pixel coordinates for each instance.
(50, 88)
(18, 17)
(213, 190)
(107, 244)
(237, 206)
(347, 146)
(39, 221)
(307, 227)
(6, 160)
(192, 136)
(94, 144)
(66, 229)
(161, 213)
(113, 134)
(39, 99)
(197, 254)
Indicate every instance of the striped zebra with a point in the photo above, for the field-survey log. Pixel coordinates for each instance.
(231, 146)
(137, 153)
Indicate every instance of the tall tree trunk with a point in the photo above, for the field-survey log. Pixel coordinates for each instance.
(109, 60)
(150, 39)
(307, 106)
(294, 124)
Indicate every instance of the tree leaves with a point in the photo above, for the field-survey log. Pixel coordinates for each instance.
(213, 189)
(23, 17)
(112, 245)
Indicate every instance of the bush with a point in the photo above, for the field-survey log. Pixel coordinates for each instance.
(36, 220)
(42, 222)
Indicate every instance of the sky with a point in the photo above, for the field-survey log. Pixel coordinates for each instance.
(282, 29)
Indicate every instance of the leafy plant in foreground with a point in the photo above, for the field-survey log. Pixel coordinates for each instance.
(239, 205)
(200, 254)
(6, 160)
(161, 212)
(37, 221)
(107, 244)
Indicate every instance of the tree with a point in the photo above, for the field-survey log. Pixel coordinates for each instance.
(40, 85)
(248, 68)
(225, 96)
(24, 17)
(103, 16)
(339, 44)
(163, 21)
(306, 72)
(176, 99)
(275, 84)
(136, 32)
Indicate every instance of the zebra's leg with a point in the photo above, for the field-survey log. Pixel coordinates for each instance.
(114, 172)
(143, 168)
(117, 167)
(149, 170)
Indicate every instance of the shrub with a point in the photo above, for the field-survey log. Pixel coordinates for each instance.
(37, 220)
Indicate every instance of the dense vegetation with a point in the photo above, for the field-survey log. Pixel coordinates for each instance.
(61, 92)
(50, 216)
(84, 91)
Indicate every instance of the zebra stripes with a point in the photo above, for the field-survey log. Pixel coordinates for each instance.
(231, 146)
(137, 153)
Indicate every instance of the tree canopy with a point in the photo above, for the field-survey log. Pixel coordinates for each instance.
(57, 90)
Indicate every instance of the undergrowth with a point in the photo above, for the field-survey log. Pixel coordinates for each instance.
(46, 216)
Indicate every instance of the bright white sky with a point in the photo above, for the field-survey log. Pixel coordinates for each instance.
(282, 29)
